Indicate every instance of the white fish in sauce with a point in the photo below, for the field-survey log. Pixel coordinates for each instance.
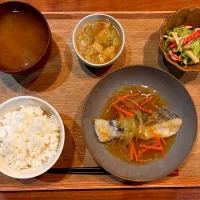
(106, 130)
(164, 129)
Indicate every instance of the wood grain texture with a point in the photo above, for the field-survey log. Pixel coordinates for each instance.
(149, 194)
(65, 83)
(111, 5)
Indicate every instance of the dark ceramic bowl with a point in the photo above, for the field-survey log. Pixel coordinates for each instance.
(179, 101)
(184, 16)
(15, 5)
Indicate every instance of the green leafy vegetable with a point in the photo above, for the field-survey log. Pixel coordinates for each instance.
(168, 32)
(182, 31)
(195, 46)
(186, 59)
(167, 49)
(180, 45)
(185, 53)
(192, 56)
(190, 63)
(166, 43)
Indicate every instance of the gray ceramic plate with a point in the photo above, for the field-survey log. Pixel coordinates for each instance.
(179, 102)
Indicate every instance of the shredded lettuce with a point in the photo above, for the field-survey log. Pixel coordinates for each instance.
(166, 43)
(195, 46)
(181, 31)
(189, 54)
(168, 32)
(186, 58)
(190, 63)
(167, 49)
(180, 45)
(184, 55)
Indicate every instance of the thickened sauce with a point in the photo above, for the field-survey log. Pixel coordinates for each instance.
(116, 147)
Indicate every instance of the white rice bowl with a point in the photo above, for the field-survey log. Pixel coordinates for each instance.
(31, 137)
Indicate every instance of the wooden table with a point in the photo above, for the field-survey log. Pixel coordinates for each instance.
(126, 5)
(111, 5)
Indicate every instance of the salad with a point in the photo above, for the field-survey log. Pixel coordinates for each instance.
(183, 44)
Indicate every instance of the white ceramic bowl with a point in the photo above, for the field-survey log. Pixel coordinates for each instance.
(14, 104)
(92, 17)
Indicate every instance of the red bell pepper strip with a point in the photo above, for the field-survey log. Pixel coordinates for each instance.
(172, 45)
(191, 37)
(175, 57)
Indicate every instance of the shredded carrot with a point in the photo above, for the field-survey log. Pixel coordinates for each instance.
(141, 151)
(140, 161)
(152, 147)
(119, 98)
(157, 146)
(144, 109)
(123, 100)
(163, 153)
(159, 141)
(131, 152)
(121, 115)
(163, 141)
(148, 148)
(153, 103)
(135, 153)
(134, 95)
(129, 114)
(155, 136)
(127, 104)
(146, 100)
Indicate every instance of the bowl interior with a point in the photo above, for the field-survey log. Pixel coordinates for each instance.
(15, 104)
(184, 16)
(93, 17)
(26, 40)
(179, 101)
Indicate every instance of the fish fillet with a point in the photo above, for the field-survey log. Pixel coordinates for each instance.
(106, 130)
(164, 129)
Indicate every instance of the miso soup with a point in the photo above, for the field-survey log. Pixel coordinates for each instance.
(23, 39)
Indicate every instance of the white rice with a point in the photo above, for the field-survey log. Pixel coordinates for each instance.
(28, 137)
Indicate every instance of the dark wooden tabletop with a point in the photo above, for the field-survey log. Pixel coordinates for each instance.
(111, 5)
(150, 194)
(136, 194)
